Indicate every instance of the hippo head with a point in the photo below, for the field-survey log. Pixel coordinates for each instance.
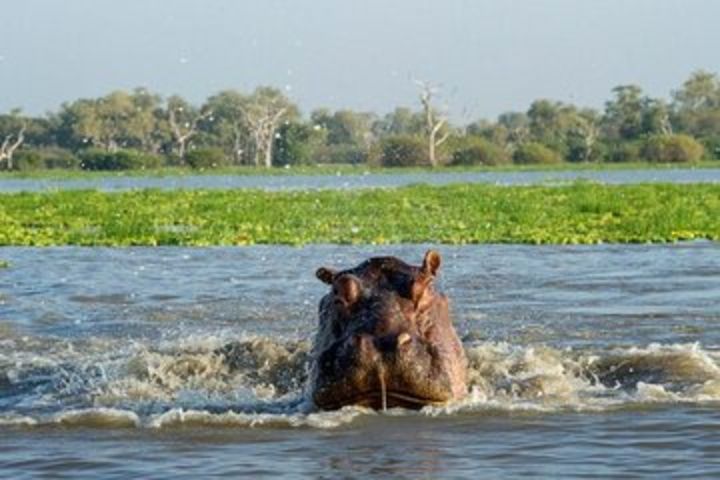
(385, 338)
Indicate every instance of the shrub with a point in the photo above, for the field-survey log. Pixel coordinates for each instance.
(672, 149)
(401, 151)
(210, 157)
(96, 159)
(341, 153)
(712, 147)
(45, 158)
(623, 152)
(25, 160)
(478, 151)
(534, 153)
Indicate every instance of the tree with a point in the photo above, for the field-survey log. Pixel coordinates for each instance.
(229, 125)
(434, 122)
(401, 121)
(12, 136)
(146, 128)
(266, 109)
(547, 123)
(510, 130)
(582, 135)
(119, 119)
(345, 127)
(623, 117)
(655, 117)
(517, 126)
(296, 143)
(697, 104)
(184, 120)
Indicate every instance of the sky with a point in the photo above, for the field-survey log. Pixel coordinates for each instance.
(487, 57)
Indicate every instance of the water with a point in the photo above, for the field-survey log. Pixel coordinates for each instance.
(586, 361)
(304, 182)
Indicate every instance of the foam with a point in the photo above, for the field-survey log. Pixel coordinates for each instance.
(259, 382)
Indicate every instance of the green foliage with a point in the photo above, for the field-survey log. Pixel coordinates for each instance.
(204, 158)
(401, 151)
(402, 121)
(534, 153)
(625, 152)
(340, 154)
(4, 264)
(297, 144)
(120, 118)
(697, 105)
(96, 159)
(228, 129)
(45, 159)
(478, 151)
(246, 125)
(712, 147)
(672, 149)
(623, 114)
(344, 127)
(454, 214)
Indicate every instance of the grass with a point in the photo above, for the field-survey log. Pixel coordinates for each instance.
(4, 264)
(456, 214)
(340, 169)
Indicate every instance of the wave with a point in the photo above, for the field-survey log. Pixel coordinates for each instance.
(259, 381)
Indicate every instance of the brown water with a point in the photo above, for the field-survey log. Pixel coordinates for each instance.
(150, 363)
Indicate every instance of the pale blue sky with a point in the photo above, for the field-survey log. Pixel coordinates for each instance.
(490, 56)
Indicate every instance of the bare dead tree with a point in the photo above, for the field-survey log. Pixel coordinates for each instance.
(183, 132)
(263, 121)
(587, 131)
(665, 124)
(10, 143)
(434, 122)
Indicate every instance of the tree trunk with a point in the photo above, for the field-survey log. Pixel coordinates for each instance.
(431, 150)
(7, 149)
(268, 151)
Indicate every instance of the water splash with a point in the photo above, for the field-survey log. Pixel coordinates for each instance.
(260, 381)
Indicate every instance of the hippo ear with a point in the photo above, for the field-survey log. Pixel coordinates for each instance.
(431, 263)
(325, 275)
(348, 289)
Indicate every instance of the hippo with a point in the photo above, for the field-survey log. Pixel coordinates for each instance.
(385, 338)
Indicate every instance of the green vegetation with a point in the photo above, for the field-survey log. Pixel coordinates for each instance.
(141, 130)
(576, 213)
(478, 151)
(4, 264)
(672, 149)
(533, 153)
(96, 159)
(400, 151)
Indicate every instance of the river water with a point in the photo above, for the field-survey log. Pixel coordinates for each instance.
(585, 361)
(368, 180)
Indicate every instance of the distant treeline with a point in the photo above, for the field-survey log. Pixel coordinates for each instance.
(141, 129)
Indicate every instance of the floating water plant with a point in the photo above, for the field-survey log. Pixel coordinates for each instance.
(578, 213)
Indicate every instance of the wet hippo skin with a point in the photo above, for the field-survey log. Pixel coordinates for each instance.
(385, 338)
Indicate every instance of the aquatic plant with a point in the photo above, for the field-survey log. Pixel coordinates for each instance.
(576, 213)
